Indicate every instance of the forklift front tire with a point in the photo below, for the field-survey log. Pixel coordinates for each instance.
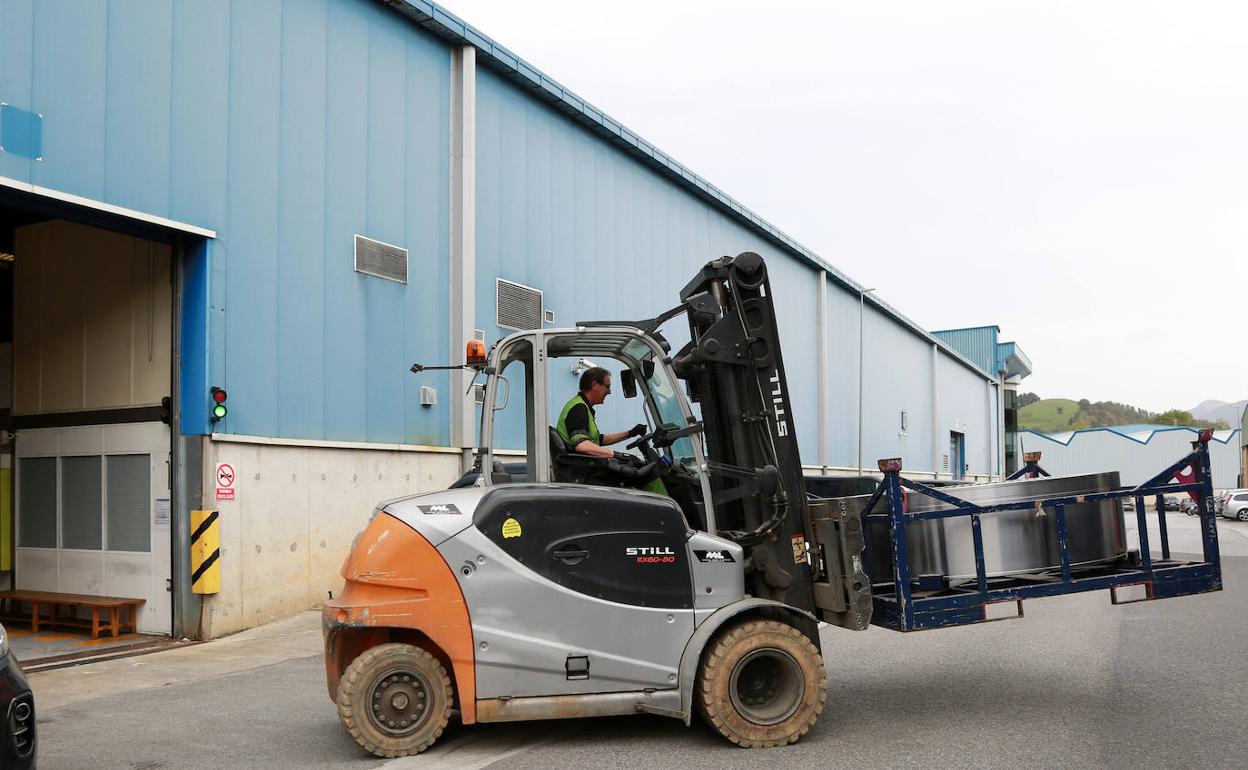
(395, 700)
(762, 684)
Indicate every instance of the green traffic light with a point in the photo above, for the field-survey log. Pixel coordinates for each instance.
(219, 411)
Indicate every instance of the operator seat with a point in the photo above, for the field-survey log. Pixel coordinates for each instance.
(566, 465)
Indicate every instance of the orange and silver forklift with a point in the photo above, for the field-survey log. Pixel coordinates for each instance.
(554, 597)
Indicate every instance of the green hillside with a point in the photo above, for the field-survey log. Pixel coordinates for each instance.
(1050, 415)
(1056, 415)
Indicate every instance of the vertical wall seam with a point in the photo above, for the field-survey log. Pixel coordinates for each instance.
(173, 52)
(821, 342)
(326, 248)
(107, 103)
(223, 326)
(277, 267)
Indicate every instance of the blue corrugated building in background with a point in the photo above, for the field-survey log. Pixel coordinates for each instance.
(248, 150)
(1008, 362)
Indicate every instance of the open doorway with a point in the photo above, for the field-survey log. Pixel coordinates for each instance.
(89, 351)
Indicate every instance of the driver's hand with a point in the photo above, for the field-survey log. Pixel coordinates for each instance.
(624, 457)
(639, 430)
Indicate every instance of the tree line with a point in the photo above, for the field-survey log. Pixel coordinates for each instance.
(1104, 414)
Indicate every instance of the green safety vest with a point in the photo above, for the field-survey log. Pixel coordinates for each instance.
(562, 426)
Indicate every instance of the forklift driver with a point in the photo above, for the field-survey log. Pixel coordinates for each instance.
(579, 429)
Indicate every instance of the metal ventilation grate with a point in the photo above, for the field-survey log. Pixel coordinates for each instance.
(519, 307)
(380, 259)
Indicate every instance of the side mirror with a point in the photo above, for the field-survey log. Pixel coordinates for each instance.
(647, 368)
(629, 381)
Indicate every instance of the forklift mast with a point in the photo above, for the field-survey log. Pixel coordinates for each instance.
(733, 368)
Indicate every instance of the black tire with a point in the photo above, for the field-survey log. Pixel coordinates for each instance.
(762, 684)
(373, 716)
(1243, 514)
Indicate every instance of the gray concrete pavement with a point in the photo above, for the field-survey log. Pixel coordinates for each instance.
(1077, 683)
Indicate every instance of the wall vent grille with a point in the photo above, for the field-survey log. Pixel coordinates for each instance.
(519, 307)
(380, 259)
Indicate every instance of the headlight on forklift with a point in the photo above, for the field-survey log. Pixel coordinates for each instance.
(4, 642)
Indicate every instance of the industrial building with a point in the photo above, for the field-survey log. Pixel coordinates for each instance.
(292, 203)
(1136, 451)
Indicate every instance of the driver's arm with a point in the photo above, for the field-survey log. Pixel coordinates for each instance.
(587, 447)
(615, 438)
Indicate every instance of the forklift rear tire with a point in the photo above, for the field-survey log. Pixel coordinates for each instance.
(395, 700)
(762, 684)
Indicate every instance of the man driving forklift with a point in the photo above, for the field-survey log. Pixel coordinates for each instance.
(578, 427)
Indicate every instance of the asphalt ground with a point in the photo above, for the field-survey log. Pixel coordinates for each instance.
(1077, 683)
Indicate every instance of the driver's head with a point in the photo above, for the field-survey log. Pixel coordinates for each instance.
(595, 385)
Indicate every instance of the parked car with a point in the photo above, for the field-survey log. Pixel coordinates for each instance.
(1236, 506)
(17, 710)
(1220, 502)
(1189, 506)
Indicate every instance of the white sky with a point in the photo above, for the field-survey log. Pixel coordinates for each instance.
(1075, 172)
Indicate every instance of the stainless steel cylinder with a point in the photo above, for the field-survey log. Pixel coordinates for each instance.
(1015, 542)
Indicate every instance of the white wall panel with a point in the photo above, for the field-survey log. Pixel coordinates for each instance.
(1136, 460)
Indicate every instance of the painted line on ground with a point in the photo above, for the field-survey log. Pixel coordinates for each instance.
(478, 747)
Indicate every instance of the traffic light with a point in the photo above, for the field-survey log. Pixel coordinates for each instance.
(219, 410)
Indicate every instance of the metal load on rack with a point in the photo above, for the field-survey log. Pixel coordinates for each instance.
(958, 555)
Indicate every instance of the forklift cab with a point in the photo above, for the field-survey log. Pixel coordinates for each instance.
(525, 390)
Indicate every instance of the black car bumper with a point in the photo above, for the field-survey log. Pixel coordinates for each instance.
(17, 717)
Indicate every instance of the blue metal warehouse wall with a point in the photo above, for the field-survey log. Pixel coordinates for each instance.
(604, 237)
(287, 127)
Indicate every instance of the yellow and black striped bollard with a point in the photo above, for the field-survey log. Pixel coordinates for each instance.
(205, 552)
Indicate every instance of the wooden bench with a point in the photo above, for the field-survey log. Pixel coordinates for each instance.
(55, 602)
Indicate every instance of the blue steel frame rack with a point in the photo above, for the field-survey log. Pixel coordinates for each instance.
(904, 604)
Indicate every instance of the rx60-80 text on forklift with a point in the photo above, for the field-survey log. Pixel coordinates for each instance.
(574, 594)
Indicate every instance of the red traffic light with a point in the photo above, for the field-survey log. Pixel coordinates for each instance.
(219, 395)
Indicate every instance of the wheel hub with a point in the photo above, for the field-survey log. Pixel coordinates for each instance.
(398, 702)
(767, 686)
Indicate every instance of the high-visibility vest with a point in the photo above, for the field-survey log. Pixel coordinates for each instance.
(562, 425)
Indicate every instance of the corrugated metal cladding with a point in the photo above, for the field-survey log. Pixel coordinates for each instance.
(979, 344)
(289, 127)
(1137, 457)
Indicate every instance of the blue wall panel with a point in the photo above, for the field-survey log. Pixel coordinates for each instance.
(70, 60)
(427, 216)
(301, 222)
(251, 334)
(138, 106)
(346, 157)
(16, 44)
(199, 139)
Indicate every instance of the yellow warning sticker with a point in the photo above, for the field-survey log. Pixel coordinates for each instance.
(511, 528)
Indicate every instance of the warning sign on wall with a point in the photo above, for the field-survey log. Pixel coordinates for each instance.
(225, 477)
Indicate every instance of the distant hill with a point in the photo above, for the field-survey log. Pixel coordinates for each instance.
(1214, 409)
(1050, 415)
(1057, 415)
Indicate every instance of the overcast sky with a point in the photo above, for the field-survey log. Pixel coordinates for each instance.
(1074, 172)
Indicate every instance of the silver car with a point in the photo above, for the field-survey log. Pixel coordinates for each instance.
(1220, 501)
(1236, 506)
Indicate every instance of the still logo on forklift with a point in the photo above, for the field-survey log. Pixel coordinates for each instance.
(777, 402)
(648, 554)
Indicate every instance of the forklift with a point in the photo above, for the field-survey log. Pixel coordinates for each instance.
(576, 594)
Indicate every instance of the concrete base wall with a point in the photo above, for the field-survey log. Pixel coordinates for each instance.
(295, 513)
